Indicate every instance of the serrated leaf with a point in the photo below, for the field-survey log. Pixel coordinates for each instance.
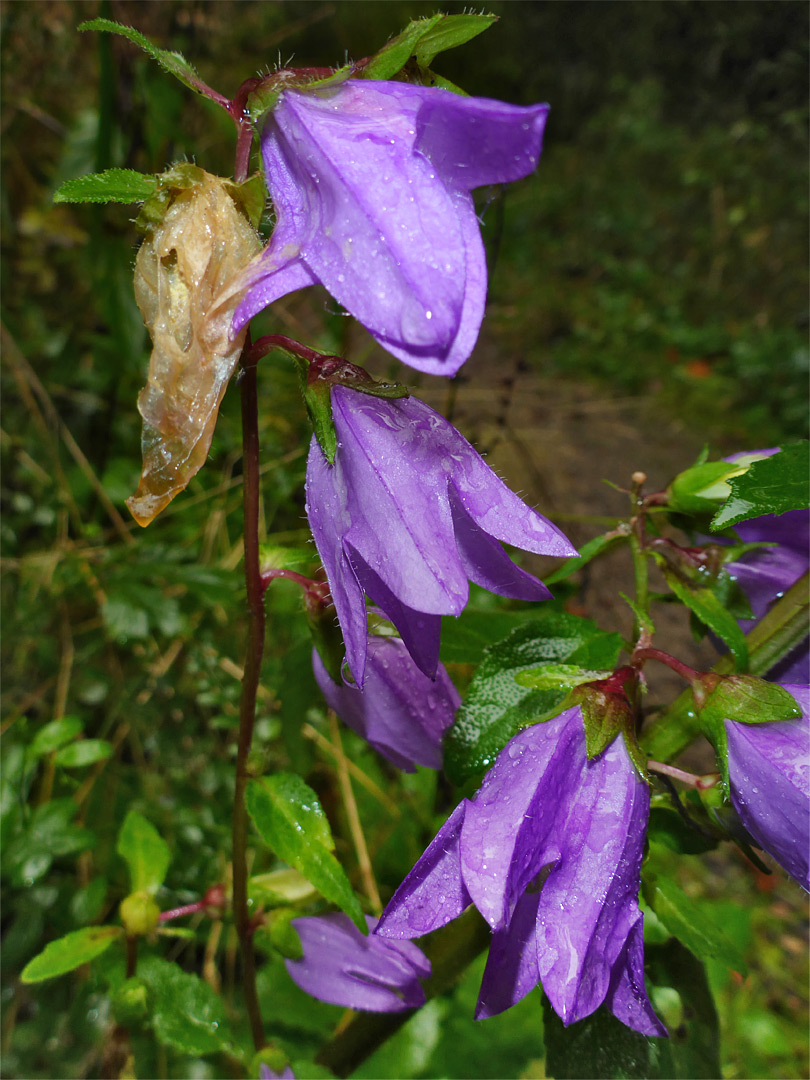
(82, 753)
(690, 924)
(709, 610)
(465, 639)
(145, 852)
(173, 62)
(396, 53)
(772, 485)
(290, 820)
(112, 185)
(188, 1014)
(55, 734)
(588, 551)
(598, 1046)
(451, 31)
(496, 706)
(69, 952)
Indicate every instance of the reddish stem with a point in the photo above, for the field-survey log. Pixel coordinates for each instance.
(678, 666)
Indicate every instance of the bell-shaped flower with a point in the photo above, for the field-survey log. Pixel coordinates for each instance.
(342, 966)
(266, 1073)
(769, 781)
(371, 182)
(408, 514)
(549, 851)
(400, 711)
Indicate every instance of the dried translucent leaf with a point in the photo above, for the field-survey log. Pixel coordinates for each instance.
(183, 286)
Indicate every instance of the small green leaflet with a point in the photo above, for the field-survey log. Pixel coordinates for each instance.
(55, 734)
(173, 62)
(710, 611)
(112, 185)
(290, 820)
(145, 852)
(553, 676)
(772, 485)
(69, 952)
(82, 753)
(700, 488)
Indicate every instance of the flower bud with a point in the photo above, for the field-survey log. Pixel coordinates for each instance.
(139, 914)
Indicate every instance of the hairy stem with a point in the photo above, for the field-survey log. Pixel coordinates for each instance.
(250, 687)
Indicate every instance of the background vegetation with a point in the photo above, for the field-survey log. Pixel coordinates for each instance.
(660, 251)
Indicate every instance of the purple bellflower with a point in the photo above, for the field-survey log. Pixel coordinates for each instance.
(400, 711)
(769, 778)
(407, 515)
(266, 1073)
(371, 186)
(549, 851)
(342, 966)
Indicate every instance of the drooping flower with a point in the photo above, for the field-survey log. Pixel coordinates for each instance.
(342, 966)
(408, 514)
(371, 185)
(549, 851)
(769, 778)
(399, 711)
(266, 1073)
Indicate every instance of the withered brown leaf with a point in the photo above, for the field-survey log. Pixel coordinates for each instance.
(184, 273)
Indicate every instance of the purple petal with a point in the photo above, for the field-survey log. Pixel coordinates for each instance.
(266, 1073)
(511, 970)
(326, 513)
(769, 775)
(401, 712)
(627, 997)
(342, 966)
(476, 141)
(400, 516)
(589, 903)
(486, 563)
(510, 829)
(433, 893)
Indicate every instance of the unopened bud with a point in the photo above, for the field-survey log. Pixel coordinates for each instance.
(215, 901)
(639, 478)
(139, 914)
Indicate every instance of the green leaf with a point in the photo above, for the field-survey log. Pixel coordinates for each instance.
(55, 734)
(496, 706)
(290, 820)
(692, 926)
(84, 752)
(145, 852)
(693, 1050)
(772, 485)
(70, 952)
(396, 53)
(173, 62)
(667, 827)
(588, 551)
(112, 185)
(450, 31)
(465, 639)
(188, 1014)
(50, 832)
(702, 600)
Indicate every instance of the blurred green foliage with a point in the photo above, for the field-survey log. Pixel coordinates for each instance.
(660, 249)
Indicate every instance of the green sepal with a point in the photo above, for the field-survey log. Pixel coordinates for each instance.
(112, 185)
(318, 401)
(424, 39)
(172, 62)
(771, 485)
(608, 712)
(263, 99)
(745, 699)
(700, 488)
